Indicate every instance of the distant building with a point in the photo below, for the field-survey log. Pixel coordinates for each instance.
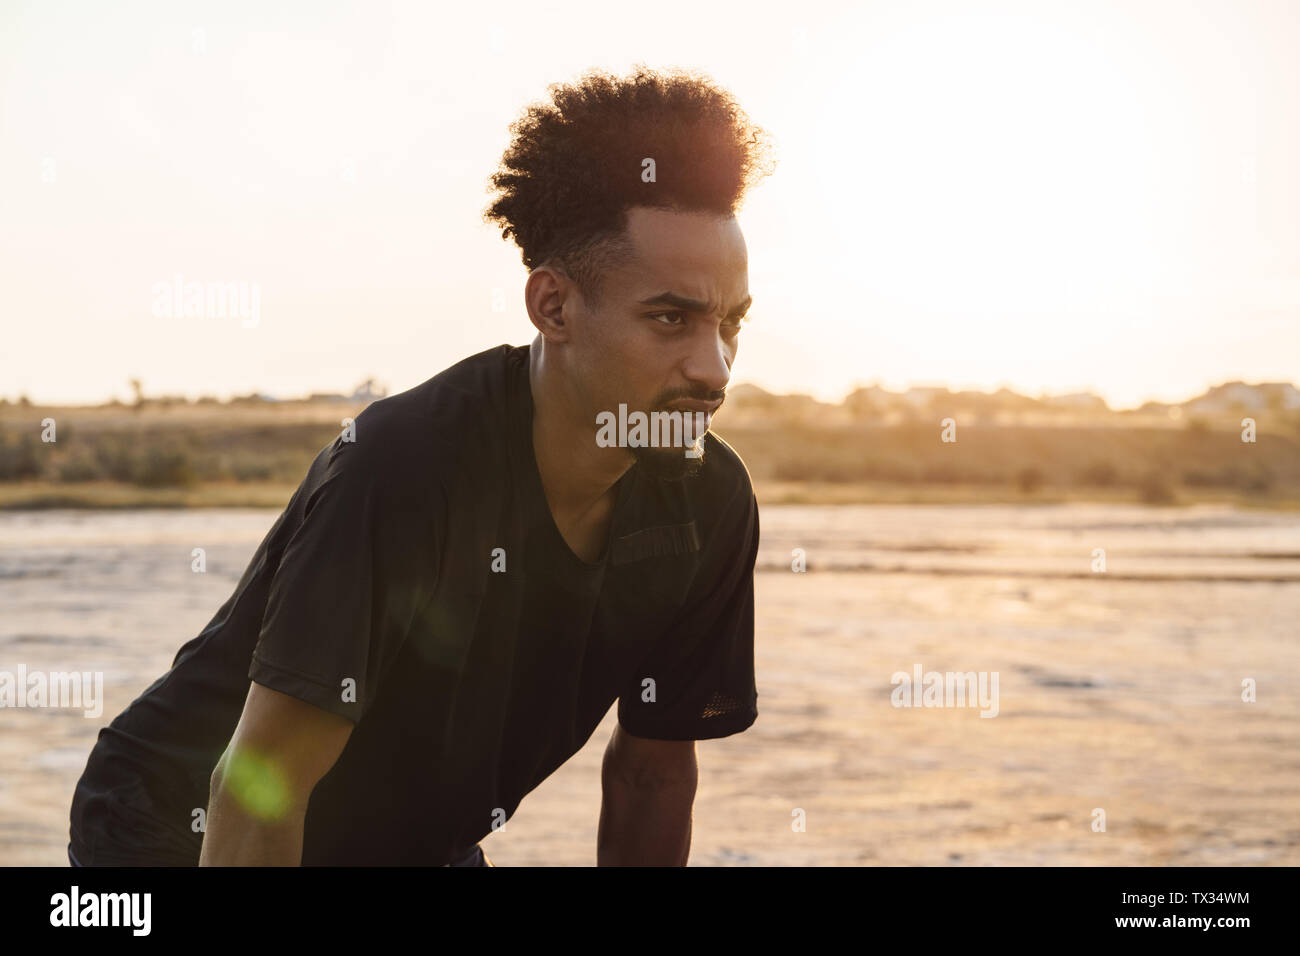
(1077, 401)
(921, 396)
(1239, 396)
(364, 393)
(368, 391)
(868, 399)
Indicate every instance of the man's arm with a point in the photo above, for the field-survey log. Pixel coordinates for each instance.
(280, 750)
(647, 790)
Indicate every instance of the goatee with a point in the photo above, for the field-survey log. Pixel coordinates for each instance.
(669, 464)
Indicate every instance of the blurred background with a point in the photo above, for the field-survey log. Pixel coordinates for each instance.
(1072, 229)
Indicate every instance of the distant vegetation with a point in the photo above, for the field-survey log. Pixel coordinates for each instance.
(1007, 447)
(1153, 463)
(163, 455)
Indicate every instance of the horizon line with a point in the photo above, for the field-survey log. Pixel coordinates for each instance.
(196, 398)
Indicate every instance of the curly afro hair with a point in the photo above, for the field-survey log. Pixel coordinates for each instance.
(574, 165)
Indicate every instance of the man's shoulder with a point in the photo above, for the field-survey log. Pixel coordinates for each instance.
(443, 412)
(470, 389)
(432, 431)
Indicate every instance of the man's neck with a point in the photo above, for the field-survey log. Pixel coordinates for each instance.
(577, 475)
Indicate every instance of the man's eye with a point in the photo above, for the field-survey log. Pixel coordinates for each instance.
(659, 315)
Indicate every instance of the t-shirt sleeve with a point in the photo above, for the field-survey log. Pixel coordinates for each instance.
(350, 582)
(703, 669)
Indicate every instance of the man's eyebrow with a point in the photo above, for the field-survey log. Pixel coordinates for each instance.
(694, 305)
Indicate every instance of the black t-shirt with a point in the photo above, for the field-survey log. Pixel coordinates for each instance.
(417, 585)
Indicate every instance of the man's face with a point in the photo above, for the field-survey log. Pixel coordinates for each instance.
(665, 332)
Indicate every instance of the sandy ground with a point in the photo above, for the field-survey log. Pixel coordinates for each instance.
(1185, 772)
(1119, 691)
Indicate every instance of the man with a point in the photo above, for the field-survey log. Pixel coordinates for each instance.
(466, 581)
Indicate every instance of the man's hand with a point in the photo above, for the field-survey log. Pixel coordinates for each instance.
(280, 750)
(648, 789)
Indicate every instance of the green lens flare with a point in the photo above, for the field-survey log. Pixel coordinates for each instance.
(259, 785)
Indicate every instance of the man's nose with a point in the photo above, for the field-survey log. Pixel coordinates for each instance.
(709, 364)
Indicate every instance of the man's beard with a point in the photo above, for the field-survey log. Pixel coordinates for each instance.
(669, 464)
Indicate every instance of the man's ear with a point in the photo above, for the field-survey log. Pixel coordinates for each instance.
(545, 294)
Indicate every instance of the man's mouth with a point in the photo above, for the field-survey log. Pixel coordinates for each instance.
(695, 405)
(698, 413)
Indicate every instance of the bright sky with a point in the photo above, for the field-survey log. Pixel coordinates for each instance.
(1043, 195)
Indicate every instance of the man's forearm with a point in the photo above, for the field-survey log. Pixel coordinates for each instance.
(234, 837)
(644, 825)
